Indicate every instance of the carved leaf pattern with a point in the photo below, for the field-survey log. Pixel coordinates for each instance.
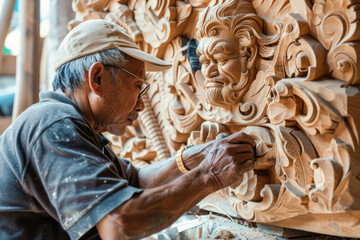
(313, 113)
(331, 178)
(337, 29)
(272, 9)
(183, 12)
(280, 202)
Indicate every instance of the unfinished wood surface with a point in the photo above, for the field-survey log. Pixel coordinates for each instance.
(28, 60)
(285, 72)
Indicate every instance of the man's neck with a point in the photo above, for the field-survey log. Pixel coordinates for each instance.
(80, 98)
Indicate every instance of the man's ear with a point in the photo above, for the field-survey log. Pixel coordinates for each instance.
(95, 78)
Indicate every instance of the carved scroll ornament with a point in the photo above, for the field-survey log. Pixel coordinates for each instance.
(285, 72)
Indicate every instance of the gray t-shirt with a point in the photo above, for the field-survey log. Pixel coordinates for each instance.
(58, 177)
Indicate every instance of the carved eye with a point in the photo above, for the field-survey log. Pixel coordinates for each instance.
(204, 60)
(222, 61)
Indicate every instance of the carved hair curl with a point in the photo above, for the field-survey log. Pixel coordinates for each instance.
(238, 17)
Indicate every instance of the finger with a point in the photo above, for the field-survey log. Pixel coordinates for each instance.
(239, 148)
(246, 166)
(240, 159)
(241, 137)
(243, 157)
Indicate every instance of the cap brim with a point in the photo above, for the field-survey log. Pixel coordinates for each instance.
(152, 64)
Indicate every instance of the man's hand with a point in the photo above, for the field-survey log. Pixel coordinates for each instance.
(229, 158)
(158, 205)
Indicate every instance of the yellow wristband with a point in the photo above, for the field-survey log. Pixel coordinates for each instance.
(179, 161)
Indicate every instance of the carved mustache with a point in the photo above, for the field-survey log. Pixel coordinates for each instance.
(220, 80)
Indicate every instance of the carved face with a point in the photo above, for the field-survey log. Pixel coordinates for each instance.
(221, 67)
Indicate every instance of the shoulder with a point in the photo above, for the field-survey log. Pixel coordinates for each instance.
(39, 117)
(52, 111)
(52, 108)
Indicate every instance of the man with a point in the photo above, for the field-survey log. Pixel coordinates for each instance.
(58, 178)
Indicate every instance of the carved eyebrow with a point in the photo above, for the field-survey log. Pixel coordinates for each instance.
(222, 47)
(217, 49)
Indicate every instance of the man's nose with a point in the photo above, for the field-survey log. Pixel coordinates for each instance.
(212, 70)
(139, 105)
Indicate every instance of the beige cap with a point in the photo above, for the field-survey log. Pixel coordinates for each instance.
(97, 35)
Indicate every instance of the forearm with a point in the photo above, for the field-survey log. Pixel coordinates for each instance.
(166, 171)
(156, 208)
(158, 173)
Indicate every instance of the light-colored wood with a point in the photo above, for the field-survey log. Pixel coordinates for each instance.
(28, 60)
(8, 65)
(6, 12)
(152, 128)
(286, 72)
(337, 224)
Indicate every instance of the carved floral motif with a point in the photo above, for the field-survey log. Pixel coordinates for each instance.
(337, 29)
(133, 145)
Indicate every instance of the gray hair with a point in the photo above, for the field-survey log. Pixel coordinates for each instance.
(71, 74)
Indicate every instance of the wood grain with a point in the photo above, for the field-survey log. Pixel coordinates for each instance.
(285, 72)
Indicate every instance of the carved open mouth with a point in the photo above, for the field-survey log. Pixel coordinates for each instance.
(215, 82)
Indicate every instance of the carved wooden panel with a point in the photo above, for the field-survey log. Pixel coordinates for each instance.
(285, 72)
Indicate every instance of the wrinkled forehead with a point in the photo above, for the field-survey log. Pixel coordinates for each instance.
(217, 44)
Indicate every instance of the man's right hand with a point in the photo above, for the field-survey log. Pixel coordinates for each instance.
(228, 159)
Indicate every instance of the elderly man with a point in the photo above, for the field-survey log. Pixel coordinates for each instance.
(60, 180)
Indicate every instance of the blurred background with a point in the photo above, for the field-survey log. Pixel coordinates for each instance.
(30, 33)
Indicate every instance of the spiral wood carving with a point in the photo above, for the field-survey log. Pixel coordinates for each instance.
(151, 125)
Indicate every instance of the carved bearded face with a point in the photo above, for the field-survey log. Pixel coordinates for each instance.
(221, 67)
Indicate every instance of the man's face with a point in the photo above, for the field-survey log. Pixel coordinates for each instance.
(221, 66)
(121, 102)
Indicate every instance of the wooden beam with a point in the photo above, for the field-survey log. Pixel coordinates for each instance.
(8, 65)
(28, 60)
(6, 11)
(60, 14)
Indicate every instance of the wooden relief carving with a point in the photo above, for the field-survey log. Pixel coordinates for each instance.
(285, 72)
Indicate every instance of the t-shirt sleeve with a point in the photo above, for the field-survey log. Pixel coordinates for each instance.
(74, 180)
(126, 168)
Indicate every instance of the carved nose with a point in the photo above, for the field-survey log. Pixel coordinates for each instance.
(211, 71)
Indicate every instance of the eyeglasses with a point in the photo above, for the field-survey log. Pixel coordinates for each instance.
(144, 88)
